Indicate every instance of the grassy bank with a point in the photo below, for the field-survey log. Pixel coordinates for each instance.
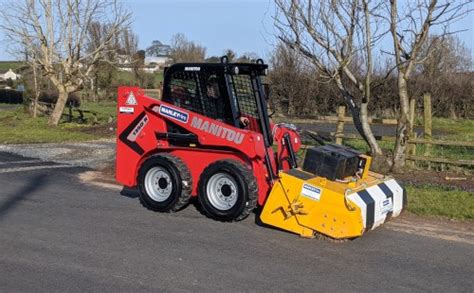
(19, 127)
(440, 201)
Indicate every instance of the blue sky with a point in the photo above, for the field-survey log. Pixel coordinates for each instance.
(242, 25)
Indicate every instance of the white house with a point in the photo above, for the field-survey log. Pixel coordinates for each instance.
(5, 75)
(152, 64)
(161, 61)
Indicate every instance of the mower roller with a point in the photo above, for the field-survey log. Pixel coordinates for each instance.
(210, 136)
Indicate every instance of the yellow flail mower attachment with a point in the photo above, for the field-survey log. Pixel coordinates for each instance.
(307, 204)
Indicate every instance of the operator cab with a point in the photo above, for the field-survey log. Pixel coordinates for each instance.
(232, 93)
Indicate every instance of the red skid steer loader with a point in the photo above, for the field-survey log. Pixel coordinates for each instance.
(210, 137)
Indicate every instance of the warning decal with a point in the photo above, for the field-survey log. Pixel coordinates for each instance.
(131, 100)
(311, 191)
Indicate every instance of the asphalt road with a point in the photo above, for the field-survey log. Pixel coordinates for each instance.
(58, 234)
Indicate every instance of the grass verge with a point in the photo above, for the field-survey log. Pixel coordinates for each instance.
(19, 127)
(452, 203)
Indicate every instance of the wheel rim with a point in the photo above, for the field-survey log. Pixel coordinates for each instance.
(221, 190)
(158, 184)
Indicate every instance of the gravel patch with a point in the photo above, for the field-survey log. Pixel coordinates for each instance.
(93, 154)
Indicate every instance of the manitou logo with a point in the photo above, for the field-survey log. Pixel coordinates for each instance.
(192, 68)
(217, 130)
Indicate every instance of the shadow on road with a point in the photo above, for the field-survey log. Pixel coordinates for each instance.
(129, 192)
(12, 200)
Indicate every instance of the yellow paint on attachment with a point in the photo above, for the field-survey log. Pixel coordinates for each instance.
(316, 205)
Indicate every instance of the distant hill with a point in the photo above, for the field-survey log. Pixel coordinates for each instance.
(13, 65)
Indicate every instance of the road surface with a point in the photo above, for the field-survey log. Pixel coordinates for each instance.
(59, 234)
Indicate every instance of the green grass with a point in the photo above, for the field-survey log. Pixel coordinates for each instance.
(459, 129)
(445, 202)
(362, 146)
(19, 127)
(127, 78)
(13, 65)
(104, 109)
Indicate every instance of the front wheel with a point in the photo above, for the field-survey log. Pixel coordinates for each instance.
(164, 183)
(227, 191)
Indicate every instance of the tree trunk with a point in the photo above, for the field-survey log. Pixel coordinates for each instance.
(291, 107)
(402, 127)
(452, 111)
(364, 119)
(59, 108)
(35, 106)
(375, 149)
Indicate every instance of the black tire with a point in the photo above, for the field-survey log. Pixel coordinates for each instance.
(240, 178)
(177, 176)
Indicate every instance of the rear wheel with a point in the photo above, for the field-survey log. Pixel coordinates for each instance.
(227, 191)
(164, 183)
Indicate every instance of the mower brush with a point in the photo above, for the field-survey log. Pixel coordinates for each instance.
(307, 205)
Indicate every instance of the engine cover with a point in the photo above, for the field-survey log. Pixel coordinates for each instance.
(331, 161)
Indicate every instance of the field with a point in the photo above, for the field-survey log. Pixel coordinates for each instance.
(13, 65)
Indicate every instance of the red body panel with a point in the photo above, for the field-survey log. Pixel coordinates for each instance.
(141, 117)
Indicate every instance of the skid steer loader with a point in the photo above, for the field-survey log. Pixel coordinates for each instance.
(210, 137)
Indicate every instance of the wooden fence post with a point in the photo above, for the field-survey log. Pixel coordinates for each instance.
(341, 113)
(427, 119)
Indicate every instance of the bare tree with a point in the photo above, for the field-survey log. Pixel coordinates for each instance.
(330, 34)
(56, 34)
(302, 93)
(183, 50)
(447, 61)
(34, 67)
(410, 27)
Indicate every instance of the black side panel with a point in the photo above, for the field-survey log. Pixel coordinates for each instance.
(132, 144)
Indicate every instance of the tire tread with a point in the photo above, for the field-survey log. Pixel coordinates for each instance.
(186, 190)
(251, 181)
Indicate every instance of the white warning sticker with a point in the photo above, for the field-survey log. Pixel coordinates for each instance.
(127, 110)
(131, 100)
(311, 191)
(386, 205)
